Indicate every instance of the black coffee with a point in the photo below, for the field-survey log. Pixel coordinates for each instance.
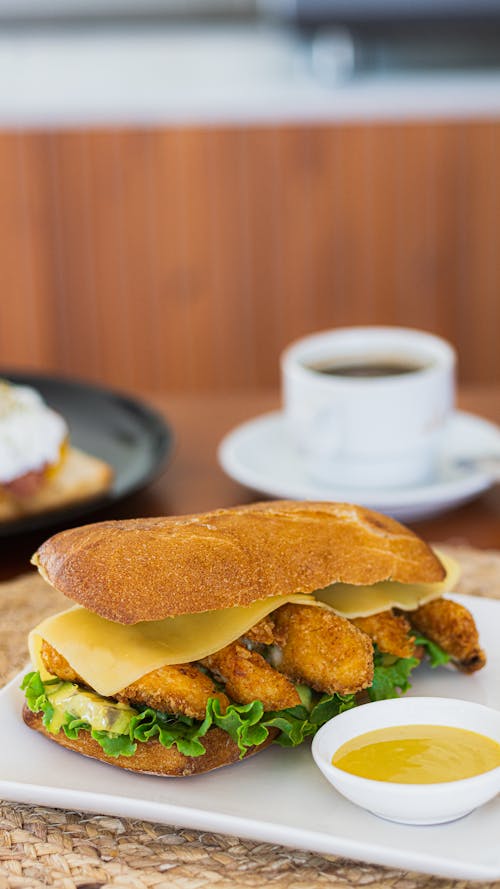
(368, 369)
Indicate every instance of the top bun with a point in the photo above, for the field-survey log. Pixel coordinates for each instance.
(150, 569)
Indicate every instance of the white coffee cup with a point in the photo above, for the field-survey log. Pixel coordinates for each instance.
(376, 431)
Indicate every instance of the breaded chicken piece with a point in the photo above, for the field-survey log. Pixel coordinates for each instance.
(263, 633)
(324, 650)
(248, 677)
(181, 689)
(390, 632)
(452, 627)
(56, 664)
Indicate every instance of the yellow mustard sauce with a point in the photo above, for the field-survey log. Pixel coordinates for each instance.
(418, 754)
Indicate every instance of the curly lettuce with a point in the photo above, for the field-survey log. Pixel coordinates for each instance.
(391, 675)
(247, 724)
(437, 657)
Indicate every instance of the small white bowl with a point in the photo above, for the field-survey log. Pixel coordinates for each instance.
(410, 803)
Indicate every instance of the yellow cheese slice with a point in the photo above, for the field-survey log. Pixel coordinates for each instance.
(110, 656)
(361, 601)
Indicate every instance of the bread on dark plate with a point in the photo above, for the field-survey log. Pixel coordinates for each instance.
(40, 470)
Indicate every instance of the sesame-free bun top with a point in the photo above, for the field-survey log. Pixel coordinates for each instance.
(150, 569)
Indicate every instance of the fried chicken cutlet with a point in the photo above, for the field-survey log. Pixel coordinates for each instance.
(262, 633)
(452, 627)
(247, 676)
(182, 689)
(317, 648)
(323, 650)
(390, 632)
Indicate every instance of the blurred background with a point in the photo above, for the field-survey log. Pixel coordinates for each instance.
(188, 186)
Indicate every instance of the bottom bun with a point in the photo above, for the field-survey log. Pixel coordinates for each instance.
(151, 757)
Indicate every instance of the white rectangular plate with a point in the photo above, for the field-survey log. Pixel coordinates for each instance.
(278, 796)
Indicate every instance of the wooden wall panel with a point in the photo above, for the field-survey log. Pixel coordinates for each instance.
(477, 255)
(185, 259)
(26, 292)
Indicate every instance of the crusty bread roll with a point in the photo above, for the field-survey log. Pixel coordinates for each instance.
(151, 757)
(81, 477)
(150, 569)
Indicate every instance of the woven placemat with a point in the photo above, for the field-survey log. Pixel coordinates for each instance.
(69, 850)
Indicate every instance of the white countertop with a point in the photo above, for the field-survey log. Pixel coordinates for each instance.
(217, 75)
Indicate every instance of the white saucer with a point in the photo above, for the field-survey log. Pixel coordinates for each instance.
(259, 454)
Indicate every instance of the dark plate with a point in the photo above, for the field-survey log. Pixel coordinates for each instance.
(121, 430)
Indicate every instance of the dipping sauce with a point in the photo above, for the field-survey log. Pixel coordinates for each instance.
(418, 754)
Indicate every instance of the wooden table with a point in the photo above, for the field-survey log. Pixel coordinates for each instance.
(194, 482)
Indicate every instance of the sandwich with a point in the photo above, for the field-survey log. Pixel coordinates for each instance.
(196, 641)
(40, 470)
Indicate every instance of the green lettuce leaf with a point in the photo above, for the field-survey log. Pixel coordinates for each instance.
(390, 676)
(244, 723)
(293, 725)
(437, 657)
(298, 723)
(247, 724)
(329, 706)
(114, 745)
(36, 696)
(182, 731)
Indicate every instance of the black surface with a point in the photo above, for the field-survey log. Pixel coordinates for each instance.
(117, 428)
(390, 11)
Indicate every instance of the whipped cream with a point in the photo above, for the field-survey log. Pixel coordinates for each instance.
(31, 433)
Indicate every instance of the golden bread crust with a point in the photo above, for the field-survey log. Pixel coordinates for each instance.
(80, 477)
(151, 757)
(150, 569)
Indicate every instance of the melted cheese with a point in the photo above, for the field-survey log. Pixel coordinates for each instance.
(362, 601)
(110, 656)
